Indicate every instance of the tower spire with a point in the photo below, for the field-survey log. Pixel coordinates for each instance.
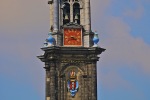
(71, 52)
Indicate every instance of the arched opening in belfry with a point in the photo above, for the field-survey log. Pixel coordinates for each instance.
(76, 13)
(66, 13)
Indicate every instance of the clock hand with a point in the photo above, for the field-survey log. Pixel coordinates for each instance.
(72, 37)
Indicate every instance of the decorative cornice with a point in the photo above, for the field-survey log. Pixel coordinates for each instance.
(54, 53)
(72, 25)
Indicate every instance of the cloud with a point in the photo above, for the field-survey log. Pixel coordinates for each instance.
(98, 9)
(17, 17)
(24, 25)
(121, 49)
(112, 80)
(100, 6)
(122, 46)
(136, 13)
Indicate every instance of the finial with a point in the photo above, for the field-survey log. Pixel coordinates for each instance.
(49, 40)
(95, 39)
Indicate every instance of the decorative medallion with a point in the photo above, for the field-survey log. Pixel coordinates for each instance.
(72, 83)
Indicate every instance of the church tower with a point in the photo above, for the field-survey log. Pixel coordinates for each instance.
(71, 52)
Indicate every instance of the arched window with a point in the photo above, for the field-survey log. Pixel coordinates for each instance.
(66, 13)
(76, 13)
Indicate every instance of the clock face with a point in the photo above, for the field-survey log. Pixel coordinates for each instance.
(72, 37)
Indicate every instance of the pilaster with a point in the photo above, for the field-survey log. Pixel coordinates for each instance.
(53, 80)
(58, 39)
(62, 90)
(88, 39)
(94, 81)
(56, 15)
(47, 82)
(87, 16)
(71, 11)
(51, 15)
(82, 16)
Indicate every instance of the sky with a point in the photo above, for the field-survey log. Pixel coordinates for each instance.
(124, 31)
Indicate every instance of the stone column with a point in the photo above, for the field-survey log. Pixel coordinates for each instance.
(56, 15)
(47, 82)
(94, 81)
(51, 15)
(82, 16)
(65, 92)
(62, 90)
(53, 81)
(90, 80)
(82, 88)
(71, 12)
(61, 16)
(87, 23)
(86, 88)
(59, 84)
(87, 16)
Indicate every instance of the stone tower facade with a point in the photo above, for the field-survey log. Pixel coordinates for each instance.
(70, 52)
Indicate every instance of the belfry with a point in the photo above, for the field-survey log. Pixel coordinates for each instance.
(71, 52)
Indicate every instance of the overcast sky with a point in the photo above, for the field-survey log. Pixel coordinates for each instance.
(124, 30)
